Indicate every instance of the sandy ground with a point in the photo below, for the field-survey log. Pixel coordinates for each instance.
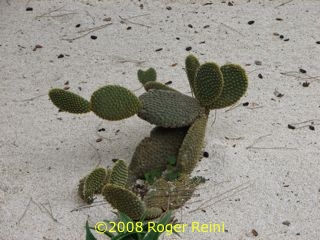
(263, 175)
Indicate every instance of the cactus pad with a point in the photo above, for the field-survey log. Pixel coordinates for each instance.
(124, 201)
(119, 174)
(147, 76)
(92, 184)
(192, 65)
(235, 86)
(208, 83)
(114, 103)
(169, 109)
(68, 101)
(153, 152)
(157, 85)
(190, 151)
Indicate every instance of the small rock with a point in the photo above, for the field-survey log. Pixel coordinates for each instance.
(93, 37)
(169, 8)
(206, 26)
(78, 25)
(317, 42)
(291, 126)
(129, 28)
(286, 40)
(311, 128)
(99, 140)
(168, 83)
(230, 4)
(28, 9)
(305, 84)
(60, 56)
(159, 49)
(257, 62)
(287, 223)
(36, 47)
(190, 26)
(205, 154)
(177, 38)
(260, 76)
(107, 19)
(281, 36)
(251, 22)
(254, 232)
(188, 48)
(279, 19)
(302, 70)
(245, 104)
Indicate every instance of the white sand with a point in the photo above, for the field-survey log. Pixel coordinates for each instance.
(43, 153)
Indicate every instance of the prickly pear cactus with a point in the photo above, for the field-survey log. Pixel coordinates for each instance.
(158, 177)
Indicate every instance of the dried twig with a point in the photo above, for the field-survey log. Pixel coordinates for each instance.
(271, 148)
(30, 99)
(88, 31)
(126, 20)
(125, 60)
(98, 203)
(282, 4)
(43, 209)
(24, 212)
(48, 13)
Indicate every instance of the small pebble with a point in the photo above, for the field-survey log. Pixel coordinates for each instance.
(206, 26)
(29, 9)
(281, 36)
(318, 42)
(260, 76)
(251, 22)
(78, 25)
(168, 83)
(60, 56)
(205, 154)
(99, 140)
(174, 64)
(129, 28)
(169, 8)
(177, 38)
(141, 6)
(311, 128)
(190, 26)
(291, 126)
(254, 232)
(107, 19)
(188, 48)
(257, 62)
(302, 70)
(101, 130)
(159, 49)
(93, 37)
(203, 42)
(37, 46)
(305, 84)
(245, 104)
(287, 223)
(279, 19)
(230, 4)
(286, 40)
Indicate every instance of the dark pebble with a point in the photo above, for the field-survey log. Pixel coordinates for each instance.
(206, 26)
(208, 3)
(129, 28)
(287, 223)
(93, 37)
(188, 48)
(257, 62)
(291, 126)
(78, 25)
(302, 70)
(159, 49)
(168, 83)
(311, 128)
(251, 22)
(305, 84)
(141, 6)
(169, 8)
(205, 154)
(60, 56)
(245, 104)
(260, 76)
(177, 38)
(99, 140)
(101, 130)
(29, 9)
(230, 4)
(281, 36)
(318, 42)
(286, 40)
(190, 26)
(203, 42)
(279, 19)
(254, 232)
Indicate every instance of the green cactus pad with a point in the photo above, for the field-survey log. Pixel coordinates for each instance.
(93, 184)
(114, 103)
(68, 101)
(235, 86)
(152, 213)
(190, 151)
(171, 195)
(192, 65)
(124, 201)
(81, 187)
(157, 85)
(208, 83)
(147, 76)
(153, 152)
(119, 174)
(169, 109)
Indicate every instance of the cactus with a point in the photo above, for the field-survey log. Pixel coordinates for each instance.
(169, 109)
(235, 86)
(147, 76)
(68, 101)
(114, 103)
(192, 65)
(158, 176)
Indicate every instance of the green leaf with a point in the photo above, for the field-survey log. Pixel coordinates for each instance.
(163, 221)
(89, 235)
(124, 218)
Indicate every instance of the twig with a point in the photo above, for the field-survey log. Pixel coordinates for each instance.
(24, 212)
(234, 138)
(88, 31)
(96, 153)
(282, 4)
(215, 117)
(233, 29)
(30, 99)
(271, 148)
(233, 107)
(125, 60)
(126, 20)
(48, 13)
(40, 206)
(49, 211)
(60, 15)
(238, 188)
(98, 203)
